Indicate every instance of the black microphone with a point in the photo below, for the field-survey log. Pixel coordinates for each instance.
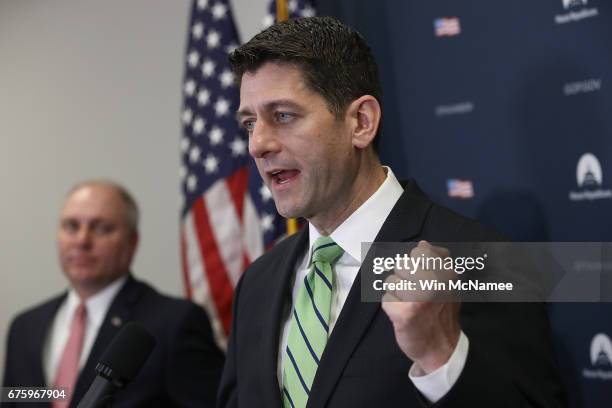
(119, 364)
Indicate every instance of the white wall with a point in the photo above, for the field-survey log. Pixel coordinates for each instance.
(90, 89)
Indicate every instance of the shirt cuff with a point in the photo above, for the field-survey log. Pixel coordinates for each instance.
(436, 384)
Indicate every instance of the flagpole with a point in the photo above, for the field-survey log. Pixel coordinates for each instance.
(282, 10)
(282, 14)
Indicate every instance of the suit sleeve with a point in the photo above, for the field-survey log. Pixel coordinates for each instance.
(194, 361)
(228, 393)
(510, 362)
(10, 357)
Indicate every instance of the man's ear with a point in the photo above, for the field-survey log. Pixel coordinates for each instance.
(134, 241)
(364, 115)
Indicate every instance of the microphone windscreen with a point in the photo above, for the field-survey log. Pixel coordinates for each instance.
(128, 351)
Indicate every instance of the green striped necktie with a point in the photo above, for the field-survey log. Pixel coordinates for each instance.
(309, 327)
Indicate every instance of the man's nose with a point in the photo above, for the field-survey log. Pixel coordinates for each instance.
(84, 237)
(263, 140)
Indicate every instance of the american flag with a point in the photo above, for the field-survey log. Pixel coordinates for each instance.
(228, 217)
(447, 26)
(290, 9)
(460, 188)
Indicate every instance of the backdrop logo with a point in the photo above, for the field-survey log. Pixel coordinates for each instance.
(601, 358)
(580, 87)
(573, 3)
(576, 10)
(589, 179)
(447, 26)
(460, 108)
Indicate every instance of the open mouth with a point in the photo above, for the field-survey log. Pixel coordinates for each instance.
(281, 177)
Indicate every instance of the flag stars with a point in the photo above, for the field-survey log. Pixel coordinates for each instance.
(266, 195)
(185, 144)
(193, 58)
(215, 135)
(194, 154)
(267, 222)
(307, 12)
(226, 78)
(222, 107)
(189, 87)
(203, 96)
(208, 68)
(187, 116)
(202, 4)
(197, 30)
(231, 47)
(211, 164)
(198, 125)
(218, 11)
(293, 5)
(182, 172)
(238, 147)
(213, 39)
(192, 182)
(268, 20)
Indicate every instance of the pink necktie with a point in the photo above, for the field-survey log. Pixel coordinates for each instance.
(68, 369)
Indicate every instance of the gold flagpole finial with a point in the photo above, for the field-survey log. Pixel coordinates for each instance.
(282, 10)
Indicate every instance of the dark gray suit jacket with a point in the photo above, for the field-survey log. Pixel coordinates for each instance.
(183, 369)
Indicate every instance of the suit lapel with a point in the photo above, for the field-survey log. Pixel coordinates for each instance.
(119, 312)
(281, 274)
(39, 334)
(404, 223)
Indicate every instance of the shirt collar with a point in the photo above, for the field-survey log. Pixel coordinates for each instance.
(98, 304)
(365, 222)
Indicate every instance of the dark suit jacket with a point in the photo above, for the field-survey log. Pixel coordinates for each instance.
(509, 364)
(183, 370)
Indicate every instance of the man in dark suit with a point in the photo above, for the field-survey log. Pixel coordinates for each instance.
(310, 100)
(60, 342)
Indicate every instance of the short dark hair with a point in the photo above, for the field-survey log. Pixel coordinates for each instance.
(335, 60)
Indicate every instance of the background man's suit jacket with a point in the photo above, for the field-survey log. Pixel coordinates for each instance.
(509, 364)
(183, 369)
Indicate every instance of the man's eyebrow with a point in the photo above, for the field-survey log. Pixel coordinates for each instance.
(242, 113)
(269, 106)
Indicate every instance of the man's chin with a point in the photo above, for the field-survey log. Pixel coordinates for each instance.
(88, 281)
(289, 212)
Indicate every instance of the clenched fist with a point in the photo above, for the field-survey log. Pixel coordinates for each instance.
(426, 331)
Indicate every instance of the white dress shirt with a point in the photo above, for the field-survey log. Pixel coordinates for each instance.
(362, 226)
(96, 306)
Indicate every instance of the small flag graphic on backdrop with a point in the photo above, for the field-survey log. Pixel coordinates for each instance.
(447, 26)
(460, 188)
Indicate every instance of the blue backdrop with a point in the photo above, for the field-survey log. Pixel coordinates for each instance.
(507, 97)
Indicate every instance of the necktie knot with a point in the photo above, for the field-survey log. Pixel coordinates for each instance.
(80, 314)
(326, 250)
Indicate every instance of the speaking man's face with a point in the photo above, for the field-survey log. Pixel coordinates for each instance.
(303, 152)
(95, 241)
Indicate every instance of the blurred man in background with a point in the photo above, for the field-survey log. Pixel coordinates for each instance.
(58, 343)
